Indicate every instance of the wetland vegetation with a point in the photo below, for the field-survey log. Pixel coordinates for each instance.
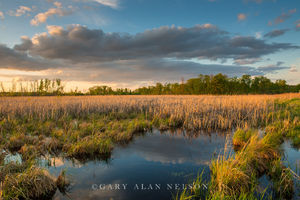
(91, 127)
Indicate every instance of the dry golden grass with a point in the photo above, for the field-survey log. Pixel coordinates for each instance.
(33, 183)
(90, 126)
(234, 174)
(192, 112)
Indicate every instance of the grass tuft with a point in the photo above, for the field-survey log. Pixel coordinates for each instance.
(62, 182)
(90, 146)
(282, 179)
(33, 183)
(11, 168)
(241, 137)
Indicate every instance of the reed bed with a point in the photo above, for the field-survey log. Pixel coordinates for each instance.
(236, 176)
(192, 112)
(89, 127)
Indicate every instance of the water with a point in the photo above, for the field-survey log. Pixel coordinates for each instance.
(292, 160)
(291, 157)
(150, 167)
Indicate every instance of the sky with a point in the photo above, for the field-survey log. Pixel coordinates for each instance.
(134, 43)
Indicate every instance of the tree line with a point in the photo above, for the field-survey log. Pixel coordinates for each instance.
(207, 84)
(43, 87)
(218, 84)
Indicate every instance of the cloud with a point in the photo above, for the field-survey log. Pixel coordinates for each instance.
(258, 1)
(11, 59)
(57, 4)
(258, 35)
(133, 71)
(298, 23)
(272, 68)
(42, 17)
(137, 73)
(130, 73)
(164, 54)
(82, 45)
(276, 33)
(283, 17)
(110, 3)
(180, 148)
(22, 10)
(121, 71)
(1, 15)
(241, 16)
(55, 30)
(293, 68)
(247, 61)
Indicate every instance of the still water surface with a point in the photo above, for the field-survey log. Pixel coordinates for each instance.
(153, 166)
(150, 167)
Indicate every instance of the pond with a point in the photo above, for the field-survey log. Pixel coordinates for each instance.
(153, 166)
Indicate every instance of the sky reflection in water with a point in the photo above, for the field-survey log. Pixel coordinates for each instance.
(154, 158)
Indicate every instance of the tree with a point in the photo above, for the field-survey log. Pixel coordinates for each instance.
(245, 84)
(219, 84)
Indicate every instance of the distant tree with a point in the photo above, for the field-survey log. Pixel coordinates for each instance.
(245, 82)
(203, 84)
(219, 84)
(100, 90)
(280, 86)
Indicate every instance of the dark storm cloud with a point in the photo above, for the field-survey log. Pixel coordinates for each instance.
(11, 59)
(276, 33)
(80, 44)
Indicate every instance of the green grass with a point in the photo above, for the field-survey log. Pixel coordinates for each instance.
(94, 135)
(287, 121)
(29, 152)
(282, 179)
(32, 183)
(198, 190)
(241, 137)
(90, 146)
(236, 177)
(88, 137)
(236, 174)
(11, 168)
(209, 192)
